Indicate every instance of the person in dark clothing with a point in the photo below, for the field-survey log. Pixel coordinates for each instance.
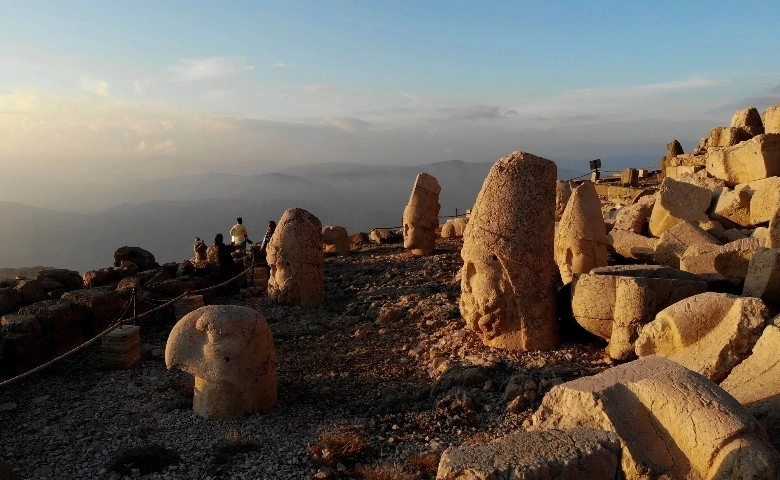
(264, 244)
(225, 264)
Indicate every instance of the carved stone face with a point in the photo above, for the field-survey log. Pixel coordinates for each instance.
(230, 351)
(487, 299)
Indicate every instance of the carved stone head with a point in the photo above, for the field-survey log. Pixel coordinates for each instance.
(421, 216)
(230, 351)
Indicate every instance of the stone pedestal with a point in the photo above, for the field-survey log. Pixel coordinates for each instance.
(122, 347)
(187, 304)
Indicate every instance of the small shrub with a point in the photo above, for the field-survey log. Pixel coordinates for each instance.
(425, 465)
(343, 444)
(385, 471)
(233, 444)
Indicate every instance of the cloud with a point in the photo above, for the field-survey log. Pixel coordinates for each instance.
(141, 146)
(348, 124)
(167, 147)
(98, 87)
(18, 102)
(279, 65)
(140, 86)
(325, 87)
(475, 112)
(196, 69)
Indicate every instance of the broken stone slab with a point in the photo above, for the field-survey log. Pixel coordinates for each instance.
(676, 202)
(727, 136)
(732, 207)
(580, 238)
(748, 118)
(595, 298)
(772, 119)
(673, 243)
(755, 383)
(729, 261)
(634, 217)
(765, 200)
(709, 333)
(672, 422)
(578, 453)
(747, 161)
(631, 245)
(763, 276)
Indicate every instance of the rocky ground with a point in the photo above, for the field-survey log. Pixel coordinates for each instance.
(373, 384)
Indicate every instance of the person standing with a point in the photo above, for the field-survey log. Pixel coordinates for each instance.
(239, 234)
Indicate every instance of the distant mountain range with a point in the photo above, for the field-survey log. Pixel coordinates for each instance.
(165, 215)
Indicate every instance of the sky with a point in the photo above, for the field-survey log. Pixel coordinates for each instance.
(119, 91)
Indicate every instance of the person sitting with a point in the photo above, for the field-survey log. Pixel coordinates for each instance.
(223, 258)
(200, 248)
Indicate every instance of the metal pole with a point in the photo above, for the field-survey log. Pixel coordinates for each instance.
(135, 312)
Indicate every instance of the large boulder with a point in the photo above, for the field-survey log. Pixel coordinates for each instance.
(673, 243)
(677, 202)
(634, 217)
(581, 239)
(747, 161)
(508, 275)
(763, 276)
(755, 383)
(71, 279)
(137, 255)
(673, 423)
(709, 333)
(230, 351)
(579, 453)
(764, 200)
(335, 240)
(729, 261)
(732, 207)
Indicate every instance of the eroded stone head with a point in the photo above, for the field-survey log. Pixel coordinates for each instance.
(296, 259)
(230, 351)
(421, 216)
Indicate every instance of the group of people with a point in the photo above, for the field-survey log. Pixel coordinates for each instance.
(221, 254)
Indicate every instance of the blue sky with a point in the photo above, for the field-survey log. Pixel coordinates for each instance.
(246, 87)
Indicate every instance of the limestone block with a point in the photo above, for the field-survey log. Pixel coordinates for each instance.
(629, 177)
(709, 333)
(385, 235)
(97, 278)
(230, 351)
(121, 347)
(700, 179)
(622, 195)
(454, 227)
(732, 234)
(579, 453)
(105, 304)
(673, 243)
(628, 244)
(31, 291)
(732, 207)
(581, 239)
(679, 171)
(761, 234)
(56, 315)
(296, 260)
(672, 422)
(755, 383)
(772, 119)
(335, 240)
(673, 149)
(773, 232)
(634, 217)
(765, 200)
(729, 261)
(508, 276)
(763, 277)
(563, 190)
(594, 295)
(747, 117)
(727, 136)
(421, 216)
(750, 160)
(137, 255)
(677, 202)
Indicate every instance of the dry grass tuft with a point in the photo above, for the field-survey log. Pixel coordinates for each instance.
(424, 465)
(385, 471)
(233, 444)
(339, 445)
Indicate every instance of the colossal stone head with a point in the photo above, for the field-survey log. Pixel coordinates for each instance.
(296, 260)
(508, 275)
(421, 216)
(335, 240)
(230, 350)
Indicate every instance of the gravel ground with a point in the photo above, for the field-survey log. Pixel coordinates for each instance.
(386, 357)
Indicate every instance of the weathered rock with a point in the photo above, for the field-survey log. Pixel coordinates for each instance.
(563, 190)
(677, 202)
(296, 260)
(421, 216)
(729, 261)
(454, 227)
(579, 453)
(385, 235)
(580, 239)
(230, 351)
(747, 161)
(70, 278)
(755, 383)
(673, 149)
(104, 304)
(137, 255)
(634, 217)
(628, 244)
(728, 136)
(765, 200)
(335, 240)
(56, 315)
(709, 333)
(732, 207)
(700, 179)
(98, 278)
(773, 237)
(614, 302)
(673, 243)
(31, 291)
(508, 276)
(359, 239)
(763, 276)
(772, 119)
(673, 423)
(748, 117)
(10, 299)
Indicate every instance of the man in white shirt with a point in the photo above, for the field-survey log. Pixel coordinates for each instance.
(239, 234)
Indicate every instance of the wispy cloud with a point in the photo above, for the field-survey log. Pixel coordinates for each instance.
(195, 69)
(348, 124)
(325, 87)
(475, 112)
(98, 87)
(279, 65)
(647, 89)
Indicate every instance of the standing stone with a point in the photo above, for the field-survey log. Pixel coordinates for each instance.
(673, 149)
(562, 195)
(508, 275)
(421, 216)
(581, 238)
(772, 119)
(296, 260)
(230, 351)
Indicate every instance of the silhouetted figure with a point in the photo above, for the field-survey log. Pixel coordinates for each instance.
(224, 260)
(200, 248)
(266, 239)
(239, 235)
